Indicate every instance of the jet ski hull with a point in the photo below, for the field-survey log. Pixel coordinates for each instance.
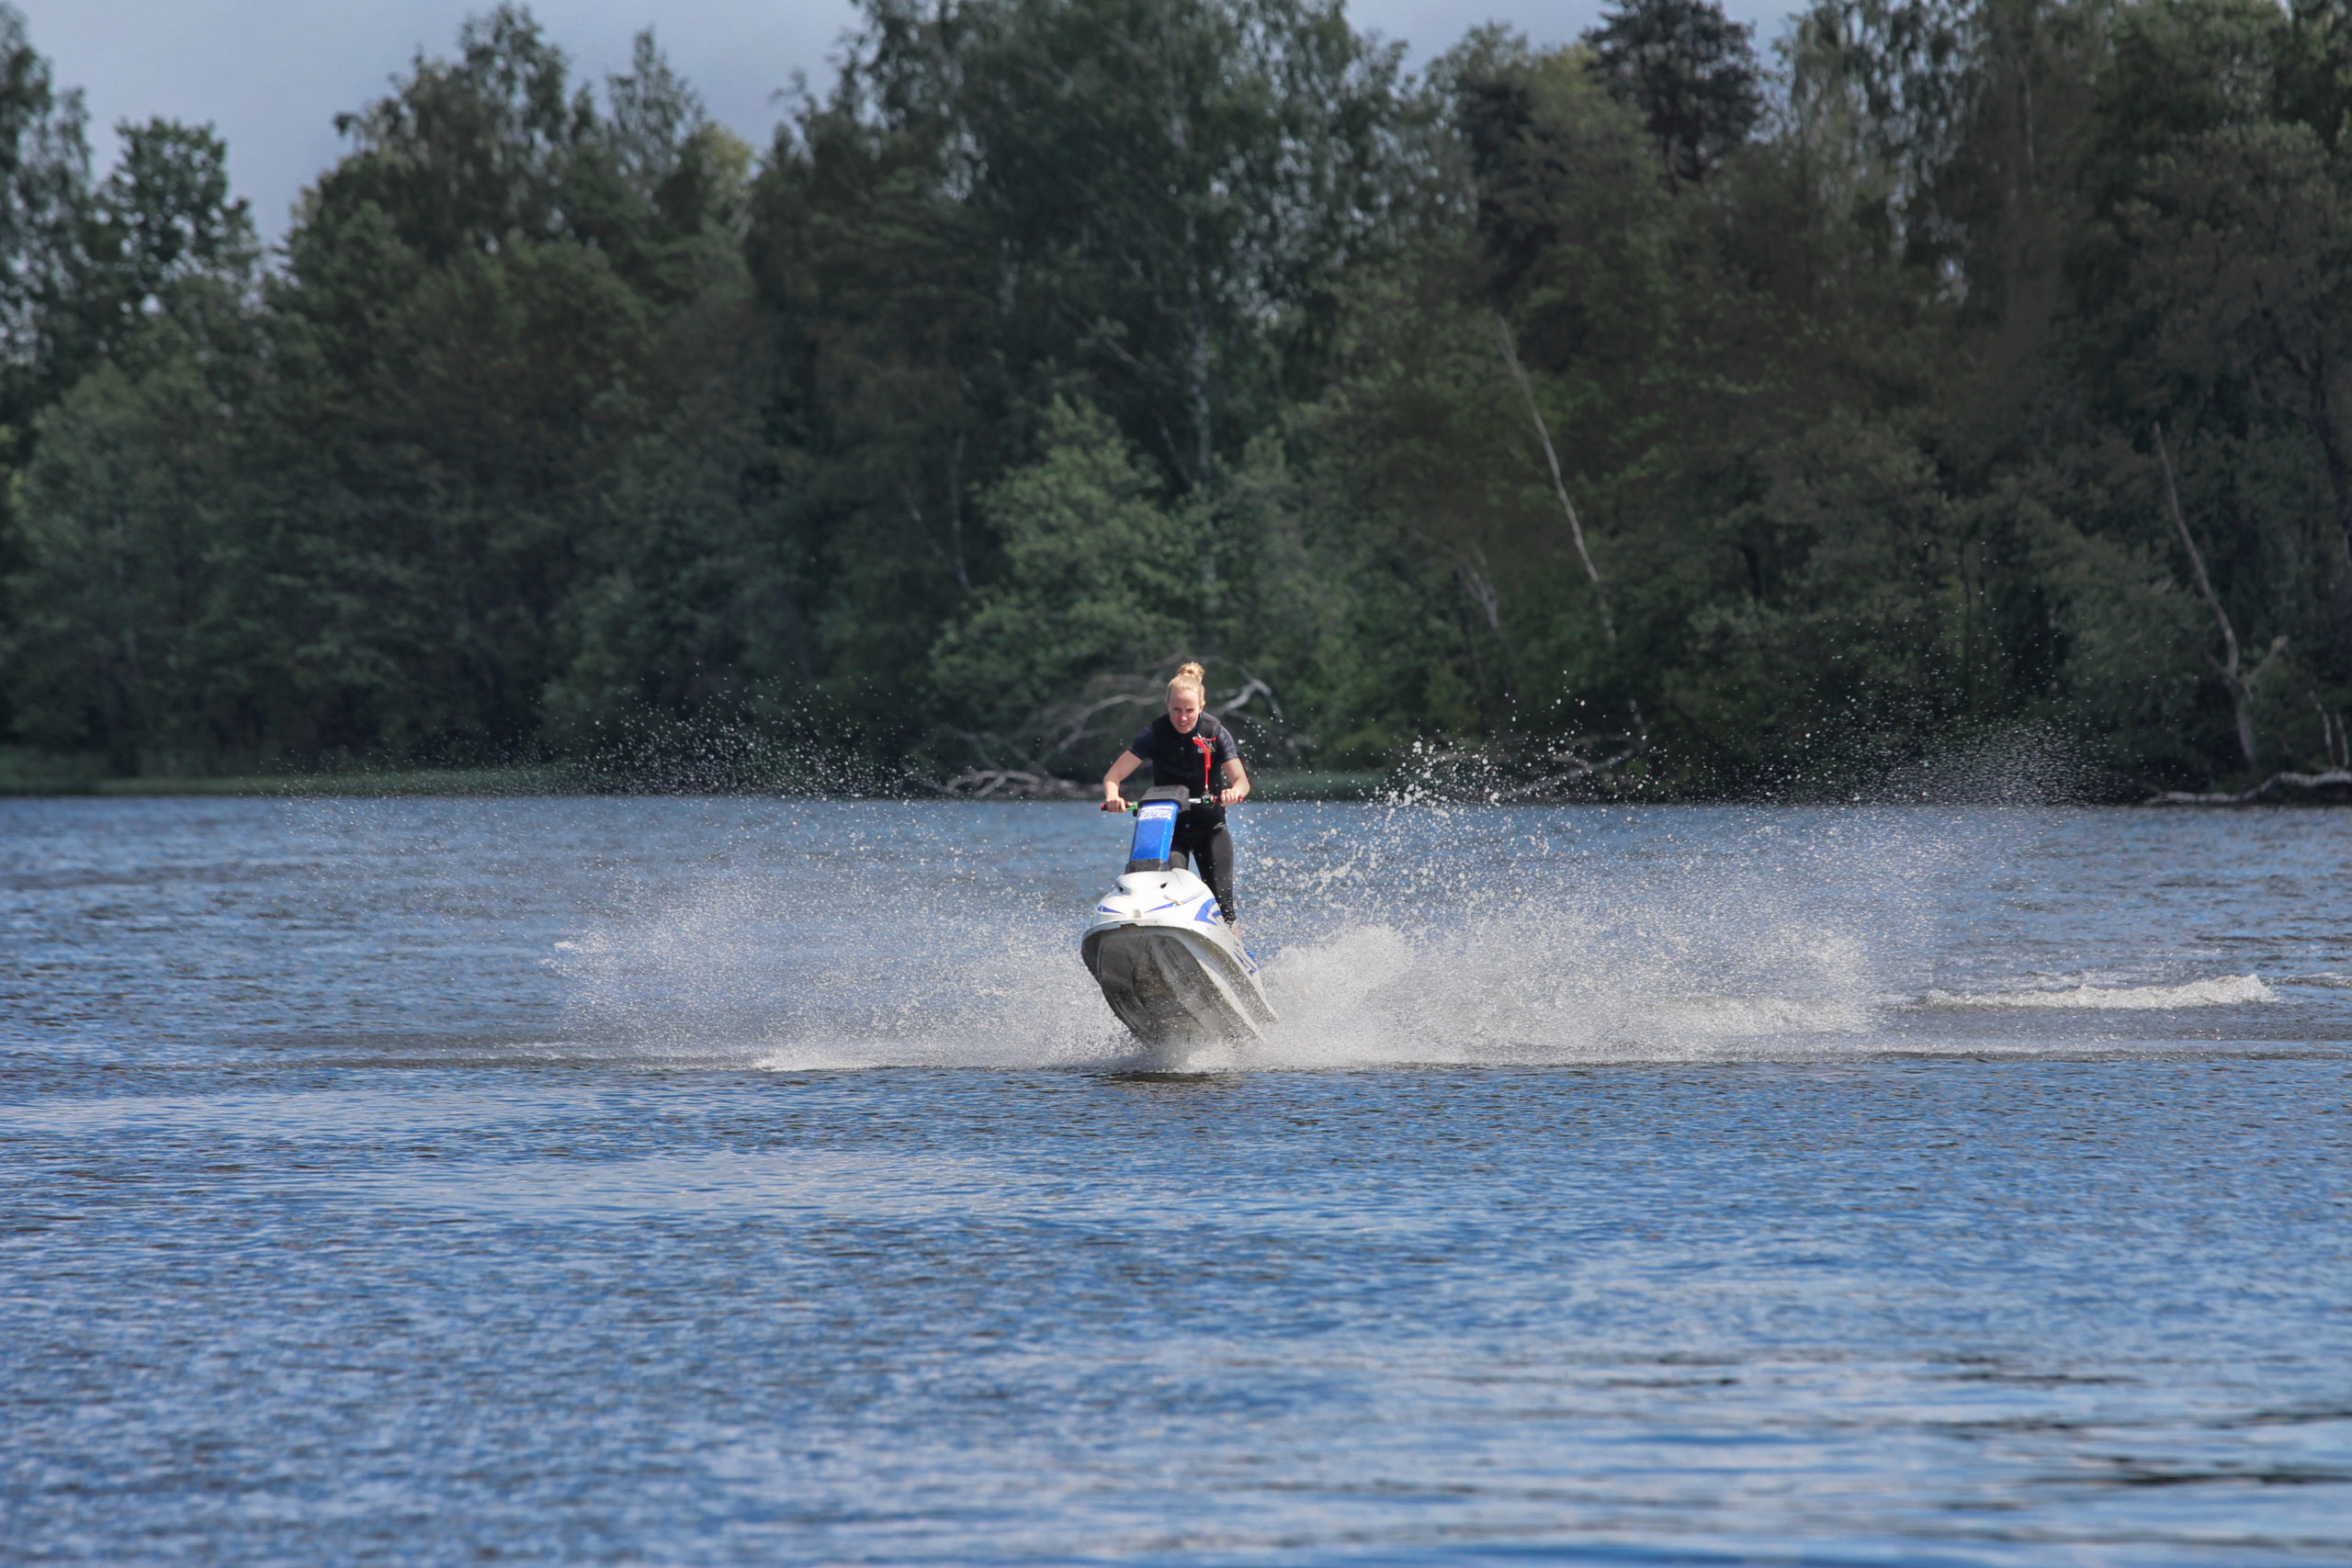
(1166, 987)
(1170, 969)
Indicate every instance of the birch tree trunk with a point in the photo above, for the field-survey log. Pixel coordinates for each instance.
(2232, 680)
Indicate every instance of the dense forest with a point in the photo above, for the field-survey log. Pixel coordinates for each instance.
(1665, 412)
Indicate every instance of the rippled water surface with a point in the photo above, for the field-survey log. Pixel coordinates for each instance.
(732, 1180)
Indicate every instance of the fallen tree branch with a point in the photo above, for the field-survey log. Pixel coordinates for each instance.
(2335, 784)
(1079, 725)
(1006, 784)
(1256, 688)
(1494, 777)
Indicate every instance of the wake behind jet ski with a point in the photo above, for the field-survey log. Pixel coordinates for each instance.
(1170, 965)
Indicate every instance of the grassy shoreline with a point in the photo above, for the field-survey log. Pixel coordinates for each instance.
(455, 782)
(477, 783)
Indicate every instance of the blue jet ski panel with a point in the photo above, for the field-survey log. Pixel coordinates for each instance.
(1155, 836)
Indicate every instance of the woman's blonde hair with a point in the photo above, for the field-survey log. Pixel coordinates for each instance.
(1194, 679)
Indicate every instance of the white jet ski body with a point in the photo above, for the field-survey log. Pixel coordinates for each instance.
(1168, 964)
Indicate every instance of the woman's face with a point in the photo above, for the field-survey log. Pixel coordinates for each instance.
(1183, 710)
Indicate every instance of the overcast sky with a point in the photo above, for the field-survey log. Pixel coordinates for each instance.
(272, 75)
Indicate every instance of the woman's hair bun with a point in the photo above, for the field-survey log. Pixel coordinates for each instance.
(1193, 678)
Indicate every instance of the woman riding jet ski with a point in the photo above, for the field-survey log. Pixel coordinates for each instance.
(1164, 945)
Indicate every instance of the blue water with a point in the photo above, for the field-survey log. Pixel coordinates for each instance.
(736, 1180)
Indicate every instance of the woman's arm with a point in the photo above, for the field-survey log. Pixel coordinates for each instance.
(1237, 781)
(1127, 764)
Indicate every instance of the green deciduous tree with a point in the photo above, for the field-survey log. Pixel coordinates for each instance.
(44, 191)
(1099, 588)
(139, 625)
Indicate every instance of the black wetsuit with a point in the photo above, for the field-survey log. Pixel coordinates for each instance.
(1196, 761)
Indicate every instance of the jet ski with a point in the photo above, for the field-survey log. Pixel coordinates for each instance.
(1169, 967)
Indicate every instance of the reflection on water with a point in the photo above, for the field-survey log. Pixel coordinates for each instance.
(440, 1181)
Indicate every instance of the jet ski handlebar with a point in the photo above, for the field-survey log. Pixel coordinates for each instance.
(1188, 802)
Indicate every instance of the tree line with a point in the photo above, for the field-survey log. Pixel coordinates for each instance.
(1651, 413)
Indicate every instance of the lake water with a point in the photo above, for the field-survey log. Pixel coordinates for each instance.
(753, 1181)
